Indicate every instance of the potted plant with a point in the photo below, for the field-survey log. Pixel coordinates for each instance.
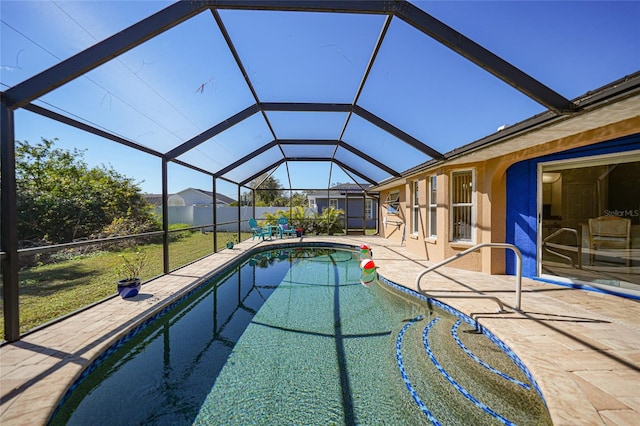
(129, 272)
(229, 239)
(230, 243)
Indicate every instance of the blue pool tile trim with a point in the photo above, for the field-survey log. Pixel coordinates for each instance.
(403, 373)
(456, 385)
(454, 333)
(496, 341)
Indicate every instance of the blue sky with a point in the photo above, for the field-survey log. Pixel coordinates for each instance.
(179, 84)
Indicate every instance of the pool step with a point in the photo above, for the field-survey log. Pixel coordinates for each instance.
(448, 364)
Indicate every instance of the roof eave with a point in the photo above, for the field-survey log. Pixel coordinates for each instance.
(616, 91)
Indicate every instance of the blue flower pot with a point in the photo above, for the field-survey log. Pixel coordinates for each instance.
(129, 288)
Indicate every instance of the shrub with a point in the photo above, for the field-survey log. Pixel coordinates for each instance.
(331, 221)
(178, 235)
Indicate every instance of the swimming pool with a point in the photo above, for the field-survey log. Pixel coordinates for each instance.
(290, 336)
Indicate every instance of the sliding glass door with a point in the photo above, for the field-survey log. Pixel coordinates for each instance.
(589, 220)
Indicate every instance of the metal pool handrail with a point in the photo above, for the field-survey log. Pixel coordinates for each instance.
(472, 249)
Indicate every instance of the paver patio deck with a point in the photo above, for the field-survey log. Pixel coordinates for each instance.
(582, 347)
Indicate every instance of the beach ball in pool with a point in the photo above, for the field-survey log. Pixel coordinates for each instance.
(367, 265)
(368, 275)
(365, 252)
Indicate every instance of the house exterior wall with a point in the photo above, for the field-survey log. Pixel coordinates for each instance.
(505, 203)
(522, 207)
(323, 203)
(355, 208)
(356, 213)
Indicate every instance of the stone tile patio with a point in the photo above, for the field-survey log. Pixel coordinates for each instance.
(582, 347)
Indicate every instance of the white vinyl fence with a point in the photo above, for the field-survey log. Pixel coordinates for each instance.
(197, 215)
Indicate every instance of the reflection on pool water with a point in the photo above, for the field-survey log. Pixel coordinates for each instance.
(292, 337)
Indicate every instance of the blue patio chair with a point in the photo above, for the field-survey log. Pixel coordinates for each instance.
(285, 229)
(258, 231)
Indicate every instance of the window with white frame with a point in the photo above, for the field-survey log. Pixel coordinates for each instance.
(415, 207)
(393, 202)
(333, 203)
(462, 206)
(433, 204)
(368, 208)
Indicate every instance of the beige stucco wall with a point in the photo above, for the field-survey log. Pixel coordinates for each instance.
(490, 193)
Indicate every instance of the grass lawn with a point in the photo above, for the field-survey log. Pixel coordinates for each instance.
(50, 291)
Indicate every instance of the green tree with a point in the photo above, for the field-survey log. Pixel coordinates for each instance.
(269, 191)
(59, 198)
(331, 221)
(299, 199)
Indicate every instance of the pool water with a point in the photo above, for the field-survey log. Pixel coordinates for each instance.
(292, 337)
